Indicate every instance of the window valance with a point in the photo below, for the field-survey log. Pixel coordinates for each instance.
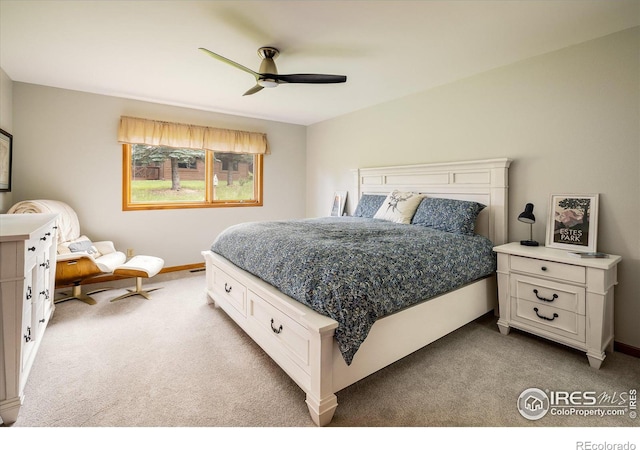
(133, 130)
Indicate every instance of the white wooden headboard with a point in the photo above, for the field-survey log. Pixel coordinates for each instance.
(484, 181)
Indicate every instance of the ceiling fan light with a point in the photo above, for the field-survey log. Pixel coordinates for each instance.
(268, 83)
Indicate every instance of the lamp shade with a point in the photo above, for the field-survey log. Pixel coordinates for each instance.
(527, 215)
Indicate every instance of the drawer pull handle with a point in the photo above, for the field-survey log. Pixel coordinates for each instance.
(27, 337)
(543, 268)
(31, 249)
(544, 317)
(274, 329)
(555, 296)
(227, 289)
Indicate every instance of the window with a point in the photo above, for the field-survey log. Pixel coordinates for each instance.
(191, 164)
(157, 177)
(173, 165)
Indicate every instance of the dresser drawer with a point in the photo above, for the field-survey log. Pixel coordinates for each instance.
(37, 245)
(560, 271)
(225, 287)
(292, 337)
(551, 293)
(28, 333)
(33, 248)
(553, 320)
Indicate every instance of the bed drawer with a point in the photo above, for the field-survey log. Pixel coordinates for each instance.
(292, 337)
(225, 287)
(544, 317)
(551, 293)
(549, 269)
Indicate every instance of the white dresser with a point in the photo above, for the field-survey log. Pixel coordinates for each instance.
(27, 277)
(546, 292)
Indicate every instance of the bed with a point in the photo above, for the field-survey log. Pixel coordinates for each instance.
(328, 325)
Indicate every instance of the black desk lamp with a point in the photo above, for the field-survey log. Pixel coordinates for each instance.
(527, 217)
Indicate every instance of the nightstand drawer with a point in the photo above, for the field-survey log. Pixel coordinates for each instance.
(548, 318)
(551, 293)
(560, 271)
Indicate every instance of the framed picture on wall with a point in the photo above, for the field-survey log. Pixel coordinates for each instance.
(339, 200)
(6, 154)
(573, 222)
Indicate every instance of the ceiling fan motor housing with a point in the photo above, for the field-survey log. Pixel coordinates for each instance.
(268, 66)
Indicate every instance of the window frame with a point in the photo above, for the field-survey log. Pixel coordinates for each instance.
(208, 202)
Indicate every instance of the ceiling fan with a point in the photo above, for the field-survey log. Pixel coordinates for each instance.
(268, 75)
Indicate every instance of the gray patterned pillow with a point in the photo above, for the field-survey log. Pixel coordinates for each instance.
(369, 205)
(445, 214)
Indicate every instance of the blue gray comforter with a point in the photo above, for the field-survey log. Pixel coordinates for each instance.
(356, 270)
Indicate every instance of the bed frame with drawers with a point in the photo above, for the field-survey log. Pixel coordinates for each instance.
(301, 341)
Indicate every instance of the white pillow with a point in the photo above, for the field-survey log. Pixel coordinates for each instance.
(399, 207)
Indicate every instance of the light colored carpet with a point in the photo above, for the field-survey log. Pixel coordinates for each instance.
(177, 361)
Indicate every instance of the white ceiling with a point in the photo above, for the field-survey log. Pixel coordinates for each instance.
(148, 50)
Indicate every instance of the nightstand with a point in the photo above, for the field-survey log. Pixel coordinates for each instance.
(546, 292)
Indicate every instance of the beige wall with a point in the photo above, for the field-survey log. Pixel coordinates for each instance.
(6, 123)
(66, 148)
(569, 119)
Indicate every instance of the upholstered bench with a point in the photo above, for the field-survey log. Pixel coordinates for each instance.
(140, 267)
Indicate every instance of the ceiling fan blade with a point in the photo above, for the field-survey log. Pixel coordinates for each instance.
(228, 61)
(310, 78)
(253, 90)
